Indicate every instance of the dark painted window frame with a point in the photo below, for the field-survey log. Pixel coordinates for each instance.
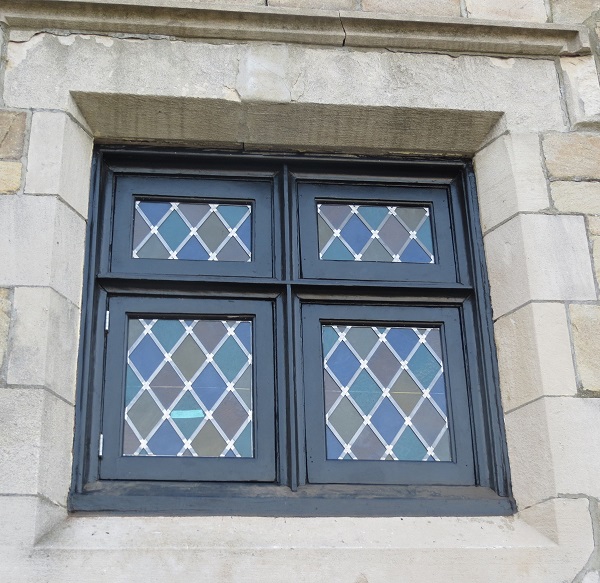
(463, 288)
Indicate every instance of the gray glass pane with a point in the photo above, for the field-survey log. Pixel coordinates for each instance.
(377, 233)
(192, 231)
(385, 397)
(189, 388)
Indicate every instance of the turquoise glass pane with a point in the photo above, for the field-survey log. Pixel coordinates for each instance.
(189, 388)
(384, 393)
(376, 233)
(192, 231)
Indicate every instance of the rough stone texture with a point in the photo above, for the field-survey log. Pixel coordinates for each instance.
(467, 91)
(575, 444)
(594, 225)
(42, 244)
(59, 159)
(36, 431)
(582, 88)
(585, 326)
(534, 354)
(529, 10)
(25, 520)
(570, 11)
(593, 577)
(10, 176)
(510, 178)
(479, 550)
(5, 310)
(419, 8)
(12, 134)
(576, 197)
(44, 340)
(573, 155)
(538, 257)
(314, 4)
(596, 257)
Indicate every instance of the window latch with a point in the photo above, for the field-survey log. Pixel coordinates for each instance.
(101, 444)
(106, 320)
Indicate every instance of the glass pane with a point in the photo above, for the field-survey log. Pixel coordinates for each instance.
(385, 397)
(192, 231)
(396, 234)
(189, 388)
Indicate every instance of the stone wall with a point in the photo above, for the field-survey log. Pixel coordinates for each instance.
(521, 98)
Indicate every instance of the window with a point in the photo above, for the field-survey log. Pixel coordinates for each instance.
(281, 335)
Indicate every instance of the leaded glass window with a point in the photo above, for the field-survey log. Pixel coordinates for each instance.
(287, 335)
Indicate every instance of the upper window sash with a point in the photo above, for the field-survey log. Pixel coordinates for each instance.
(191, 226)
(381, 231)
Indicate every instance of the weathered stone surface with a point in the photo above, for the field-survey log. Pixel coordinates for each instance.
(592, 577)
(512, 10)
(585, 326)
(593, 225)
(44, 341)
(510, 178)
(570, 11)
(42, 244)
(572, 155)
(582, 88)
(576, 197)
(5, 313)
(534, 354)
(575, 444)
(421, 9)
(525, 89)
(35, 443)
(338, 550)
(10, 176)
(314, 4)
(12, 134)
(538, 257)
(59, 159)
(596, 257)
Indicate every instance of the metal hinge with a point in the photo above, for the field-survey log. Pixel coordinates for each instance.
(101, 445)
(107, 320)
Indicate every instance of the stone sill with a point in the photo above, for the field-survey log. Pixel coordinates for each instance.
(186, 19)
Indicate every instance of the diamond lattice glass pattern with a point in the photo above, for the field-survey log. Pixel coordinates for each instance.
(397, 234)
(189, 388)
(192, 231)
(385, 397)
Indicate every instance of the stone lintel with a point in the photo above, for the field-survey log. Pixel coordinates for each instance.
(184, 19)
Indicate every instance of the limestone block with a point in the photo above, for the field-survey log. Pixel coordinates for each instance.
(59, 159)
(42, 244)
(12, 134)
(45, 72)
(538, 257)
(592, 577)
(534, 354)
(510, 178)
(572, 11)
(20, 419)
(596, 257)
(594, 225)
(44, 341)
(576, 197)
(582, 88)
(585, 328)
(5, 313)
(528, 10)
(529, 453)
(25, 519)
(35, 443)
(314, 4)
(414, 8)
(572, 155)
(575, 444)
(10, 176)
